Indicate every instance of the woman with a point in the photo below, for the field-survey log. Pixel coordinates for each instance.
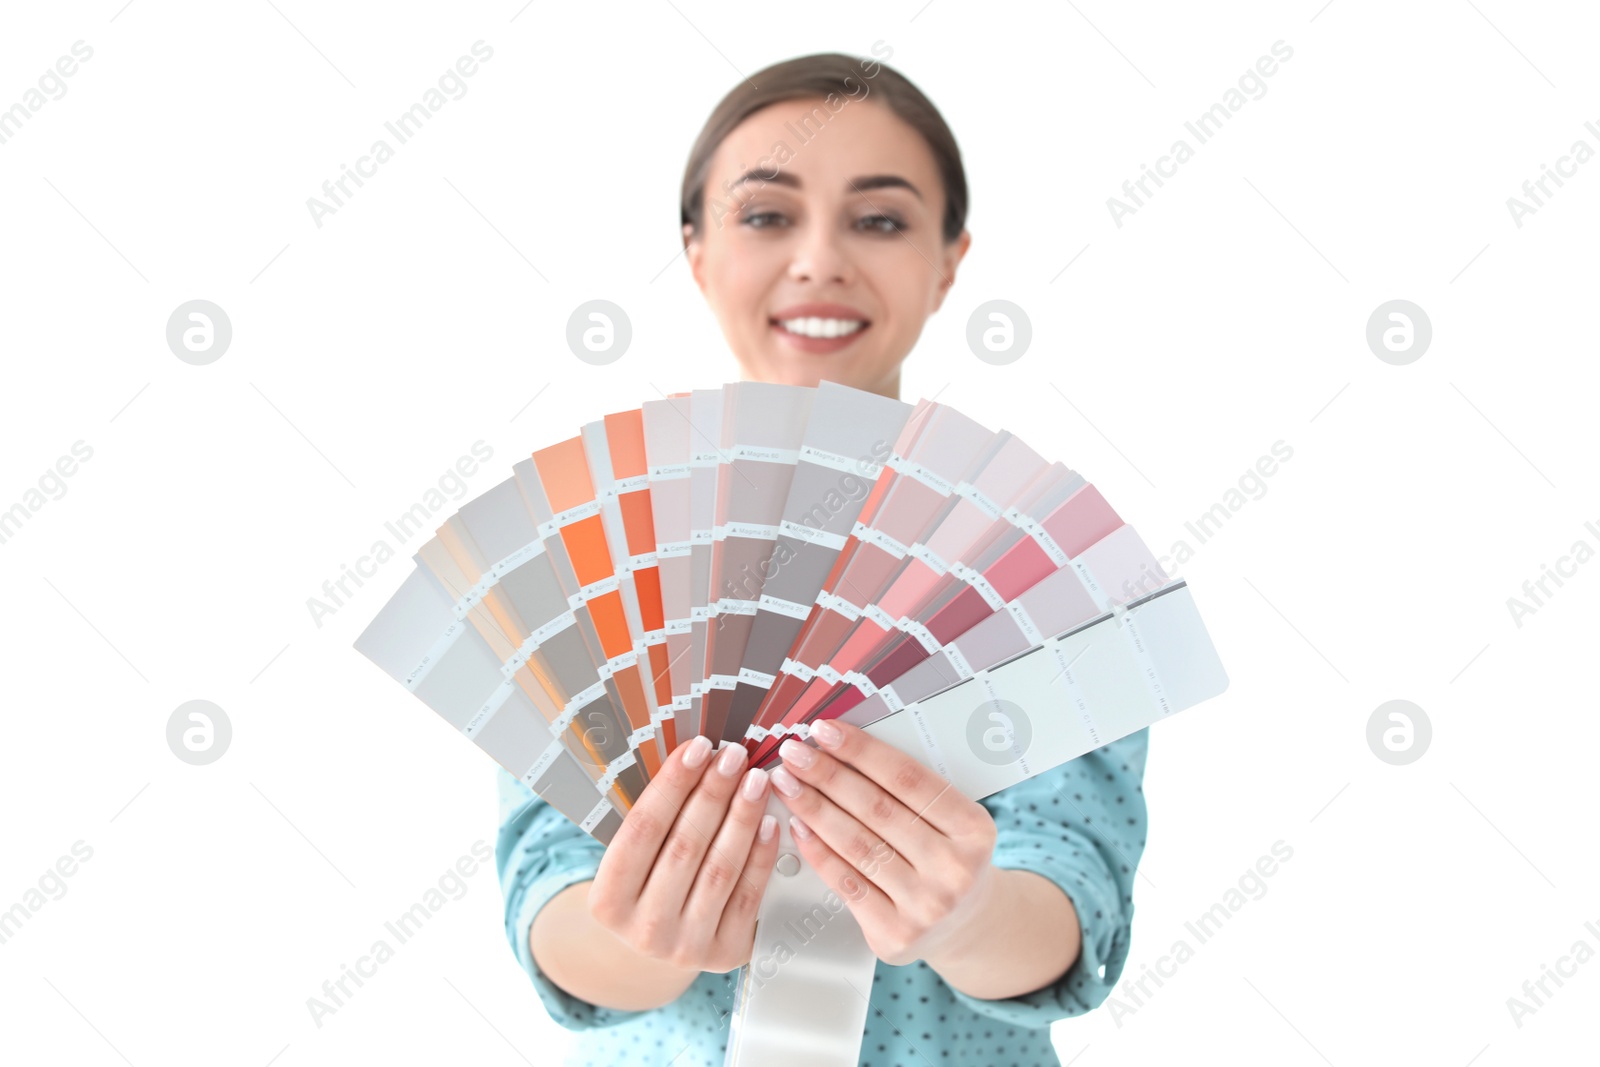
(823, 212)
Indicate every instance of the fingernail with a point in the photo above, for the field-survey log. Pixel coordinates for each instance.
(731, 760)
(699, 749)
(785, 783)
(802, 832)
(754, 783)
(827, 732)
(769, 828)
(801, 755)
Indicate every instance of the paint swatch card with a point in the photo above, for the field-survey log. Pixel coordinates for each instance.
(738, 562)
(1063, 601)
(666, 445)
(847, 437)
(906, 572)
(496, 602)
(763, 429)
(1122, 672)
(1061, 522)
(419, 640)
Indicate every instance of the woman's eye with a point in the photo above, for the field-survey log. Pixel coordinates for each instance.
(880, 224)
(761, 220)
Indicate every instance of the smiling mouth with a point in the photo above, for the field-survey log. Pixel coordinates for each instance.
(821, 328)
(819, 335)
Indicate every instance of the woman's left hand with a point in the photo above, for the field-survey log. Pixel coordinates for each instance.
(911, 856)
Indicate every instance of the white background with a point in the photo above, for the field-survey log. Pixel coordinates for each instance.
(1229, 313)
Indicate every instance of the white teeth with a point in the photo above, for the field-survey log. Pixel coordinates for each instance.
(822, 327)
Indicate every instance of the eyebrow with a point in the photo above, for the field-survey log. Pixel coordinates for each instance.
(862, 184)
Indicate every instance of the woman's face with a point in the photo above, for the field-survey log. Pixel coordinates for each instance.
(823, 257)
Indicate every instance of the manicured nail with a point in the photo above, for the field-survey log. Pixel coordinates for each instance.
(801, 831)
(731, 760)
(769, 828)
(699, 749)
(755, 782)
(785, 783)
(797, 753)
(827, 732)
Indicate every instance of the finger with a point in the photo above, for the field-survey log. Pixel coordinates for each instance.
(916, 785)
(626, 863)
(874, 859)
(737, 926)
(673, 872)
(871, 907)
(725, 860)
(881, 812)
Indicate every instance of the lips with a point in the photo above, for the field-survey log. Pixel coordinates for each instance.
(819, 328)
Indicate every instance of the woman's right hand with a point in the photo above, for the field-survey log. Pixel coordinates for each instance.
(682, 878)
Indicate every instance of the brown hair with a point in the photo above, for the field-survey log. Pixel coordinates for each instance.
(824, 75)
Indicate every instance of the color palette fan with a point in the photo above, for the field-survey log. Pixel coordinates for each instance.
(739, 562)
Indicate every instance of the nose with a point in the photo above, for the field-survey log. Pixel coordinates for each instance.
(820, 257)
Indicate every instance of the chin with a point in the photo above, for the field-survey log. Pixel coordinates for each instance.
(812, 371)
(856, 369)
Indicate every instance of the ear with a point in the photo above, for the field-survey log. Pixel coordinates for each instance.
(694, 251)
(953, 254)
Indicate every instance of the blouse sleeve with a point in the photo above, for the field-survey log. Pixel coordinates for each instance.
(540, 852)
(1081, 825)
